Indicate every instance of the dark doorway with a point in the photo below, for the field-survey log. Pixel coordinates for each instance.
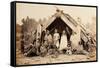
(60, 25)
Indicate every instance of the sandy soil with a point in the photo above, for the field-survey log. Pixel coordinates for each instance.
(49, 59)
(22, 60)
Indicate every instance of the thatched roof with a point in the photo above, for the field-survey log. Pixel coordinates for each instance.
(65, 17)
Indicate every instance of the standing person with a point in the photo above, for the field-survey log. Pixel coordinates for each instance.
(56, 38)
(44, 42)
(42, 36)
(48, 38)
(38, 37)
(68, 33)
(48, 42)
(63, 41)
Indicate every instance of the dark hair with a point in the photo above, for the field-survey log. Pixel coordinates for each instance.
(79, 42)
(42, 25)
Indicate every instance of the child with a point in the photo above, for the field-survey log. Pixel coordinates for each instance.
(69, 49)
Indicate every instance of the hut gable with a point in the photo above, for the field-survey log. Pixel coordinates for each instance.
(60, 21)
(64, 17)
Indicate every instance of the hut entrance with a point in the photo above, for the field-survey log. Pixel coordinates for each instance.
(60, 25)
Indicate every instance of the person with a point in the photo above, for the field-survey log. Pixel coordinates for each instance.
(43, 51)
(56, 38)
(49, 43)
(30, 50)
(80, 49)
(38, 46)
(42, 36)
(68, 33)
(45, 38)
(63, 42)
(69, 48)
(49, 38)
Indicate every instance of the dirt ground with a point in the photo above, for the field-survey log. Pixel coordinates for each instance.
(22, 60)
(49, 59)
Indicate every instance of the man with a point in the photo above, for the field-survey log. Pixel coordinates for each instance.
(42, 36)
(48, 38)
(43, 50)
(51, 48)
(68, 33)
(56, 38)
(43, 32)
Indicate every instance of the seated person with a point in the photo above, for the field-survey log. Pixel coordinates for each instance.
(43, 50)
(69, 49)
(30, 50)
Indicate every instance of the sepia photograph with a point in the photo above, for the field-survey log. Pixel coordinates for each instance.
(53, 33)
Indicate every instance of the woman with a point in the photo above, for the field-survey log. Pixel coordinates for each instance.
(63, 42)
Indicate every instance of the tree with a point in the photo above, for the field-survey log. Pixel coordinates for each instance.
(28, 31)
